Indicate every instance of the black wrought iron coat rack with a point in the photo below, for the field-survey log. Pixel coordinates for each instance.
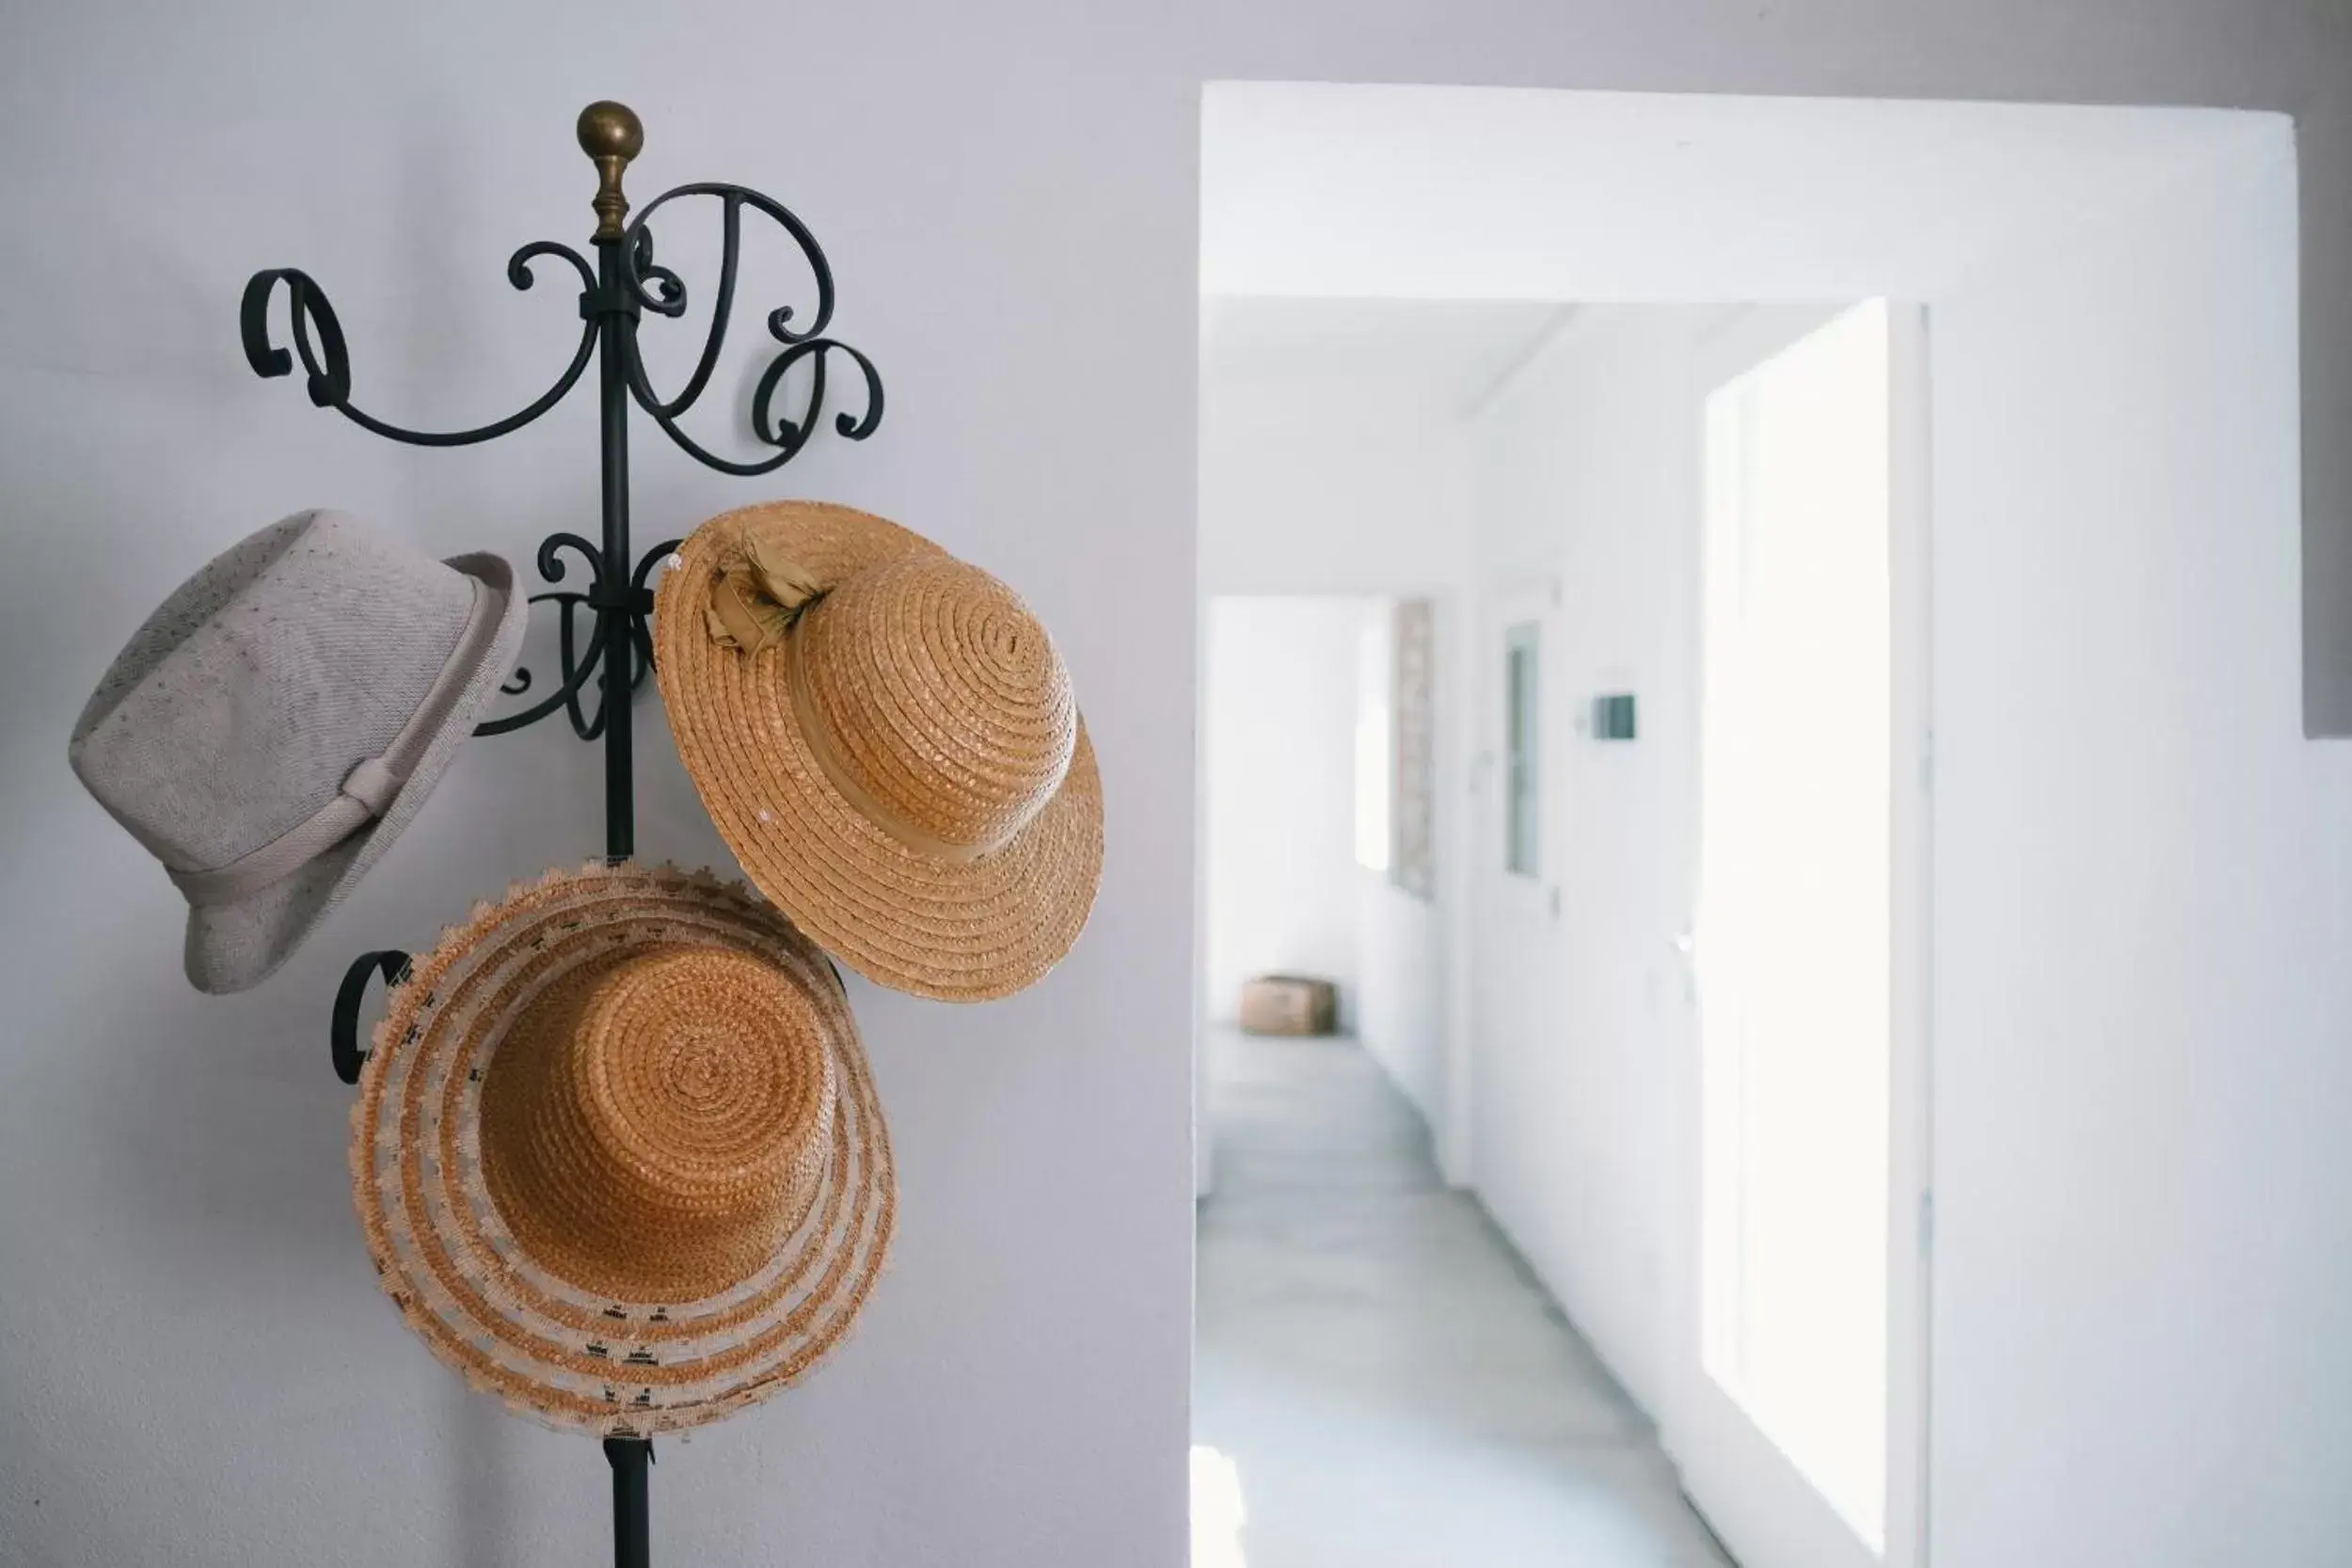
(624, 283)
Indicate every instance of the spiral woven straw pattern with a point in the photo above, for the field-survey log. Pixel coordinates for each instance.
(905, 772)
(652, 1124)
(617, 1153)
(940, 697)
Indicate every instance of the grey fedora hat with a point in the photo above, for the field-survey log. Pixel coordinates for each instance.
(273, 727)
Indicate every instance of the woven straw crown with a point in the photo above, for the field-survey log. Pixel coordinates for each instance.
(932, 686)
(651, 1127)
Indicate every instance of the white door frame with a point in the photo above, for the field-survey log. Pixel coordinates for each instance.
(1912, 1147)
(1533, 596)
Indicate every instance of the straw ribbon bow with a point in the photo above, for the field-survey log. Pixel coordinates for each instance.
(760, 593)
(759, 596)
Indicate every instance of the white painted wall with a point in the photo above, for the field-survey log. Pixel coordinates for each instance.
(2142, 873)
(1279, 763)
(1452, 193)
(1400, 1015)
(2144, 901)
(1585, 468)
(199, 1368)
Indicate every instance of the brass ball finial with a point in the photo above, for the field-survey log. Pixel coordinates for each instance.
(611, 134)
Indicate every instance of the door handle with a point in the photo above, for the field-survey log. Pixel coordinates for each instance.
(1686, 943)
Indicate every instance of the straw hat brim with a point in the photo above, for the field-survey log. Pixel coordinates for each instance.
(563, 1355)
(234, 946)
(958, 932)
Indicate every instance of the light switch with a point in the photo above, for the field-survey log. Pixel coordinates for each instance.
(1613, 716)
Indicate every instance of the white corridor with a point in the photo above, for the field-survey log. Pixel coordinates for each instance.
(1378, 1378)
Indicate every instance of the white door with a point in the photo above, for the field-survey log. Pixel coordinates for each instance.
(1521, 988)
(1799, 1411)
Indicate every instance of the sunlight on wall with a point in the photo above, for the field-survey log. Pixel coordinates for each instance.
(1217, 1514)
(1794, 906)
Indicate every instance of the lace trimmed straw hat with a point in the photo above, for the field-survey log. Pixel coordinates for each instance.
(272, 728)
(887, 740)
(617, 1153)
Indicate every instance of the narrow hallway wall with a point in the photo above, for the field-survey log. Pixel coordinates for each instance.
(1278, 756)
(1585, 468)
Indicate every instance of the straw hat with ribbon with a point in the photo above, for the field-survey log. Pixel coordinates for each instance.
(617, 1153)
(887, 740)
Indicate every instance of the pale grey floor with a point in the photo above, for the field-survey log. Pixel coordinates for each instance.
(1391, 1388)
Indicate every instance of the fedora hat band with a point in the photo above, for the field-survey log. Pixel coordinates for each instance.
(818, 736)
(368, 789)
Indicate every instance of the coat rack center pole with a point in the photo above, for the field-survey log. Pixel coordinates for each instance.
(611, 136)
(632, 1539)
(613, 616)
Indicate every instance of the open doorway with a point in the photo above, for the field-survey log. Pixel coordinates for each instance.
(1379, 1378)
(1637, 395)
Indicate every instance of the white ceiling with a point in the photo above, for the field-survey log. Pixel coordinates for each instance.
(1316, 190)
(1407, 359)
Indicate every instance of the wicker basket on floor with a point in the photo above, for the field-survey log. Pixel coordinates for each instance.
(1289, 1004)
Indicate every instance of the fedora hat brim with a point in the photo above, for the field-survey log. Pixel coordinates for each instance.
(235, 946)
(956, 931)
